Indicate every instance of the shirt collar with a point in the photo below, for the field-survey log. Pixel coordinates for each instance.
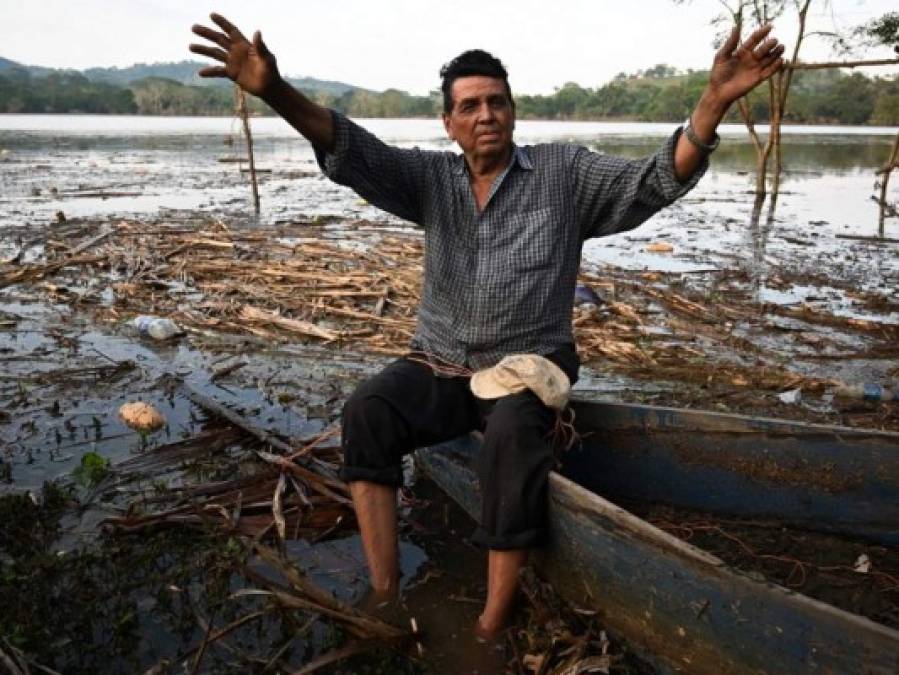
(520, 156)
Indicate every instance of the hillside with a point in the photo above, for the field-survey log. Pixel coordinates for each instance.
(658, 94)
(184, 72)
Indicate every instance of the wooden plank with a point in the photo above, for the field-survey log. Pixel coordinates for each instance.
(685, 609)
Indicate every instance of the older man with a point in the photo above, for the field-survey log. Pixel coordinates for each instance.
(503, 227)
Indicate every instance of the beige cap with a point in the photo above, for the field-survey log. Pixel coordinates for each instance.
(519, 372)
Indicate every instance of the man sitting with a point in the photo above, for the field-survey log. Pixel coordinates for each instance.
(503, 227)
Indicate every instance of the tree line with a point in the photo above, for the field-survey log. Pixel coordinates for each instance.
(659, 94)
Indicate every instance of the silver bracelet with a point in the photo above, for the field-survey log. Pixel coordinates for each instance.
(695, 140)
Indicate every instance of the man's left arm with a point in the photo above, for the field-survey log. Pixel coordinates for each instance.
(736, 70)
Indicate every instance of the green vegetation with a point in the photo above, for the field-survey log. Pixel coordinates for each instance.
(62, 93)
(662, 95)
(91, 470)
(659, 94)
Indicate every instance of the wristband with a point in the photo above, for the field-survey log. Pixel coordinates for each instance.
(705, 148)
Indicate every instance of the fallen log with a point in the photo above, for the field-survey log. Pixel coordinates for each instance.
(216, 408)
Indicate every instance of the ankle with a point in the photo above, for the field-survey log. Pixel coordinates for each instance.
(488, 629)
(386, 586)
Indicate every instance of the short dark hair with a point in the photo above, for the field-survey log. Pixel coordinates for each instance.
(472, 62)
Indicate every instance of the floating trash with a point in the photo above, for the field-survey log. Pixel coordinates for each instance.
(141, 416)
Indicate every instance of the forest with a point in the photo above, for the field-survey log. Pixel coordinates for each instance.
(658, 94)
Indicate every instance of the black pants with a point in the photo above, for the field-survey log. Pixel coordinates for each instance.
(407, 406)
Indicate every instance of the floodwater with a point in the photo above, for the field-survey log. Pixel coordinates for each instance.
(59, 389)
(99, 166)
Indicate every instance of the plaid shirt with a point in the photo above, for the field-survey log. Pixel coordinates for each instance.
(502, 281)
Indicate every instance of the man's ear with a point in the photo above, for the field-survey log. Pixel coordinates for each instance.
(448, 126)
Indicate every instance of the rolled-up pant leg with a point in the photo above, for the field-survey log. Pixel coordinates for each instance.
(513, 470)
(404, 407)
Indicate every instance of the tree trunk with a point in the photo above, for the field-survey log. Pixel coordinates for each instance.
(776, 119)
(245, 119)
(760, 158)
(887, 169)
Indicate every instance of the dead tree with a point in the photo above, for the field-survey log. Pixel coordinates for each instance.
(762, 12)
(241, 107)
(884, 179)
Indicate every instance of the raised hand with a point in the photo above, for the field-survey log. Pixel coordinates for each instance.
(739, 68)
(249, 64)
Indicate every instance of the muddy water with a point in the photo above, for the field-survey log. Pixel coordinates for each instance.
(149, 167)
(62, 377)
(60, 394)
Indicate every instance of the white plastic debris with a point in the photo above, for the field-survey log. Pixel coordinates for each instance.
(156, 327)
(863, 564)
(790, 397)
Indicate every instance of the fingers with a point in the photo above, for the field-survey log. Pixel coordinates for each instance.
(771, 56)
(730, 44)
(757, 36)
(212, 52)
(772, 68)
(213, 71)
(213, 36)
(260, 46)
(766, 48)
(229, 28)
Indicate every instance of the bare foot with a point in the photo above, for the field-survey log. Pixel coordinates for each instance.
(487, 633)
(383, 604)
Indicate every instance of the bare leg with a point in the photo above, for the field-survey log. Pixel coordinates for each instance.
(502, 583)
(375, 506)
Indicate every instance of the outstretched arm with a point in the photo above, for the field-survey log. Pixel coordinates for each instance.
(736, 70)
(252, 66)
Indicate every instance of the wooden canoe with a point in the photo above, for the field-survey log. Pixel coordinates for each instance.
(682, 608)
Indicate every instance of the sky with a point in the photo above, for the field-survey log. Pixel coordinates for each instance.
(402, 43)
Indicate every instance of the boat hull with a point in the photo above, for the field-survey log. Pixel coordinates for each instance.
(684, 609)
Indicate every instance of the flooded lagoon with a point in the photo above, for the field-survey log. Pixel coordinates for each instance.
(787, 295)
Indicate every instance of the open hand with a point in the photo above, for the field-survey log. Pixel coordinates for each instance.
(249, 64)
(739, 68)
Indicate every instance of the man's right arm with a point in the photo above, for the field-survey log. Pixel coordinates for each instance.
(313, 121)
(254, 68)
(390, 178)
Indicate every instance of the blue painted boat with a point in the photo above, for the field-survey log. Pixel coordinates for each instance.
(684, 609)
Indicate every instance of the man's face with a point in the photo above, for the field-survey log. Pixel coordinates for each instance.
(482, 118)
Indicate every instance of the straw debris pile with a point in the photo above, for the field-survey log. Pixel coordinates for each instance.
(358, 285)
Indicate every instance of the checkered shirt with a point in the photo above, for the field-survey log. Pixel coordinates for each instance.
(502, 281)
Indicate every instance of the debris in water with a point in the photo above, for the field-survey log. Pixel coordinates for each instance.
(863, 564)
(791, 397)
(156, 327)
(141, 416)
(660, 247)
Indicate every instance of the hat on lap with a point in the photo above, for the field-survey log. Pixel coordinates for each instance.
(520, 372)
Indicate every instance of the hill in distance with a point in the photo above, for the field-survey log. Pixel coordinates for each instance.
(184, 72)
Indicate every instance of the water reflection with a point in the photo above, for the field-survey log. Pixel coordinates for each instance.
(804, 156)
(758, 232)
(176, 163)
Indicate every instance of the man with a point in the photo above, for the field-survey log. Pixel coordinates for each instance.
(503, 229)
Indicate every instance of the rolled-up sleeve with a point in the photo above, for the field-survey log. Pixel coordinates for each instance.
(386, 176)
(614, 194)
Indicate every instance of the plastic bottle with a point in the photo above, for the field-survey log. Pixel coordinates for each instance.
(868, 392)
(156, 327)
